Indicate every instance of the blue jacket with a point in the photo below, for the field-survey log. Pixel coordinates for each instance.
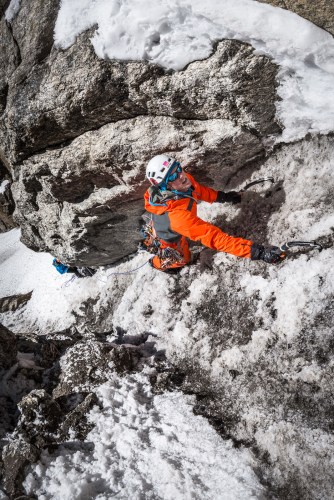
(61, 268)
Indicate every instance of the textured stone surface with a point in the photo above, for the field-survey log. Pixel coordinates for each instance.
(87, 364)
(7, 205)
(76, 425)
(14, 302)
(83, 202)
(39, 419)
(84, 366)
(79, 131)
(6, 210)
(16, 456)
(9, 60)
(8, 350)
(320, 12)
(3, 6)
(34, 39)
(73, 91)
(31, 419)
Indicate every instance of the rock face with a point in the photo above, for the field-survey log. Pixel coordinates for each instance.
(253, 341)
(73, 91)
(75, 134)
(16, 456)
(8, 348)
(6, 209)
(77, 131)
(14, 302)
(84, 202)
(7, 205)
(47, 390)
(320, 13)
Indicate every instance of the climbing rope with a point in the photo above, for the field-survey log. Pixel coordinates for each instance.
(118, 273)
(68, 282)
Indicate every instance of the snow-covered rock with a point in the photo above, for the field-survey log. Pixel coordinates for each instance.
(80, 205)
(250, 344)
(320, 13)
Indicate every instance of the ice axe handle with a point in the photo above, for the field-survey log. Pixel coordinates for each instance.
(257, 181)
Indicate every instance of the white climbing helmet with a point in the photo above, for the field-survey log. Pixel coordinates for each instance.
(158, 167)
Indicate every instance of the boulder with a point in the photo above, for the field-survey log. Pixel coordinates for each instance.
(76, 131)
(16, 456)
(39, 419)
(76, 425)
(83, 203)
(73, 91)
(87, 364)
(83, 367)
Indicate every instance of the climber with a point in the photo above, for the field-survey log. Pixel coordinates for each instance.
(172, 205)
(80, 272)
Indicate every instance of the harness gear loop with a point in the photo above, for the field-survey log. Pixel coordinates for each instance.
(152, 244)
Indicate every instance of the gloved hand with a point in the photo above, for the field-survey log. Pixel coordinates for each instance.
(229, 197)
(270, 254)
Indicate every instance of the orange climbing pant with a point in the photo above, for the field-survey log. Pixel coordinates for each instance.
(182, 247)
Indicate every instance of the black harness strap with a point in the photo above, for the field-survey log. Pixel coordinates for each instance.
(190, 205)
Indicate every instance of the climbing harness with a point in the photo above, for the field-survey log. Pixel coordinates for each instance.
(257, 181)
(152, 244)
(68, 282)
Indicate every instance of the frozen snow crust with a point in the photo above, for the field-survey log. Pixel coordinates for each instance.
(254, 342)
(145, 446)
(172, 35)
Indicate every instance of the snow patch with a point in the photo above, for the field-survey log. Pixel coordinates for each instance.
(3, 186)
(173, 35)
(12, 10)
(145, 446)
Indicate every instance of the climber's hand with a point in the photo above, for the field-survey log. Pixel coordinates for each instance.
(270, 254)
(229, 197)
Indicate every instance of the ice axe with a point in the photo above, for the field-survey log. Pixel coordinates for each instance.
(307, 244)
(282, 250)
(256, 181)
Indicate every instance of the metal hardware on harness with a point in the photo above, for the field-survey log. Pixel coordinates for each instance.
(152, 244)
(169, 256)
